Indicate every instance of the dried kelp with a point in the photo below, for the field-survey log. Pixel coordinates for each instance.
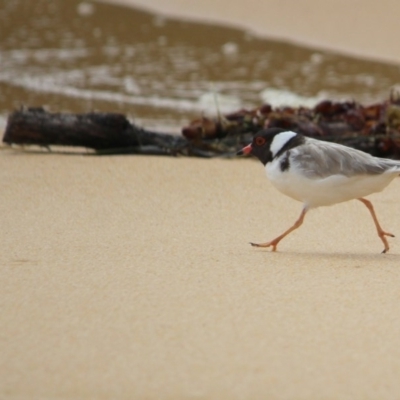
(374, 129)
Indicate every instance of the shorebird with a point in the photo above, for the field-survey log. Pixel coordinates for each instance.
(319, 173)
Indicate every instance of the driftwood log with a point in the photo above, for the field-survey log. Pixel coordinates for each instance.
(107, 133)
(374, 129)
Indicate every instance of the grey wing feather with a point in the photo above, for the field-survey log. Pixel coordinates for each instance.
(318, 159)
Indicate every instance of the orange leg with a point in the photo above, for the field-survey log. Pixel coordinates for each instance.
(275, 242)
(381, 232)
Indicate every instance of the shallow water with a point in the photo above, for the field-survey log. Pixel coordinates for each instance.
(81, 56)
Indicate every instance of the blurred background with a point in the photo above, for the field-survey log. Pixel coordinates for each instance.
(79, 56)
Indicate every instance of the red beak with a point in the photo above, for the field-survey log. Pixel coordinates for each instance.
(245, 150)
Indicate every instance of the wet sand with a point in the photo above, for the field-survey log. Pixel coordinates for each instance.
(132, 277)
(364, 29)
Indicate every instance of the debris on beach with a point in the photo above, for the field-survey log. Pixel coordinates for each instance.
(106, 133)
(374, 129)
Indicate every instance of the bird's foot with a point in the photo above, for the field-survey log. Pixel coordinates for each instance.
(273, 243)
(387, 234)
(382, 235)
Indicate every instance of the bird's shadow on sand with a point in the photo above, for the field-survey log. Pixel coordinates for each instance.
(336, 256)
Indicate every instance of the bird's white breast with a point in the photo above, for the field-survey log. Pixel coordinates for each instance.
(316, 192)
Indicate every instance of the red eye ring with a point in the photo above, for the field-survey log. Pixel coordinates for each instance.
(260, 141)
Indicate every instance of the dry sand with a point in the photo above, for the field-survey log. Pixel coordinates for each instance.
(364, 28)
(132, 277)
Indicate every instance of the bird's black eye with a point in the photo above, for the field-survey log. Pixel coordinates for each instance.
(260, 141)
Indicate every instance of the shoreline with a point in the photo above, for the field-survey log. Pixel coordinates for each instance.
(341, 27)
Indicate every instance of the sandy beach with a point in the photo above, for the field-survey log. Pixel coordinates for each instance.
(132, 277)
